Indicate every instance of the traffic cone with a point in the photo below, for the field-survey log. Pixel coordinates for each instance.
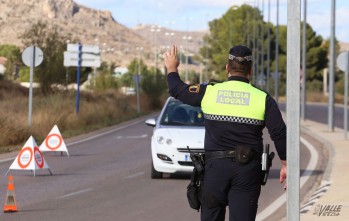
(10, 201)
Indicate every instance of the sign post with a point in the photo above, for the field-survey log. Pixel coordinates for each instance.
(343, 64)
(78, 80)
(78, 55)
(32, 56)
(137, 78)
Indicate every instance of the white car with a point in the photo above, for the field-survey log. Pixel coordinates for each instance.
(178, 126)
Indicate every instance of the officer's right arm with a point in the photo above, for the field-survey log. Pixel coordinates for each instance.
(189, 94)
(283, 172)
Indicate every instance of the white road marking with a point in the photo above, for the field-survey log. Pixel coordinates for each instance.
(304, 177)
(135, 175)
(132, 137)
(7, 159)
(75, 193)
(91, 137)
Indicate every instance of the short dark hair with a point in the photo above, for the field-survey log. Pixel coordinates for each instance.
(240, 59)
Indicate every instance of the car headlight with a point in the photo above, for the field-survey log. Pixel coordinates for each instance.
(162, 140)
(169, 141)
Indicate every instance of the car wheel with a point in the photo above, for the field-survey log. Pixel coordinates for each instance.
(155, 174)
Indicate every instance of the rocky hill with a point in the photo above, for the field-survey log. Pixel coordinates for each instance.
(164, 37)
(117, 43)
(90, 26)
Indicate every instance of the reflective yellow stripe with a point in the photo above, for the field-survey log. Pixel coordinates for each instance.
(234, 98)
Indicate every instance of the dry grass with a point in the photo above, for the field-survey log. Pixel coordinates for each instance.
(96, 111)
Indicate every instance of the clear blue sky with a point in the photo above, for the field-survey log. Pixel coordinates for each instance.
(194, 14)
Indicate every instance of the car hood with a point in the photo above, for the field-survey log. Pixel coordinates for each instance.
(194, 138)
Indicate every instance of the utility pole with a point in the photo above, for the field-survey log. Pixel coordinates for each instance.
(262, 39)
(268, 57)
(332, 69)
(254, 45)
(292, 110)
(276, 78)
(155, 30)
(304, 61)
(138, 79)
(257, 47)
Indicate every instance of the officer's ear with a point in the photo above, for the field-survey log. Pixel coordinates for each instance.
(249, 75)
(227, 69)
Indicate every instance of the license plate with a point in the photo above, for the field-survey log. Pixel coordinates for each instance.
(186, 157)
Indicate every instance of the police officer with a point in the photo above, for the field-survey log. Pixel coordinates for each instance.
(235, 114)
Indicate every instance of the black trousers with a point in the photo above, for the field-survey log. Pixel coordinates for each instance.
(229, 183)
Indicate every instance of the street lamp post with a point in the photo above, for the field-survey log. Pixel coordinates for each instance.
(187, 39)
(268, 57)
(254, 46)
(248, 30)
(155, 30)
(262, 39)
(304, 59)
(332, 68)
(276, 77)
(140, 49)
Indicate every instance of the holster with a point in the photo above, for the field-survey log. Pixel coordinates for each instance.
(265, 173)
(193, 190)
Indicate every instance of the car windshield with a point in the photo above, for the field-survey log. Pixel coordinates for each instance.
(177, 113)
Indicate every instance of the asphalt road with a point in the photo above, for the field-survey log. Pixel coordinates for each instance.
(107, 177)
(319, 112)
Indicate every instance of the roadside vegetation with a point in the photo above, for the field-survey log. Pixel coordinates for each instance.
(97, 110)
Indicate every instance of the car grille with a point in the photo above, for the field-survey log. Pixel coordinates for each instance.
(192, 150)
(185, 163)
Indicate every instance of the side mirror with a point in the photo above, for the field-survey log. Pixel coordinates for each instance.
(150, 122)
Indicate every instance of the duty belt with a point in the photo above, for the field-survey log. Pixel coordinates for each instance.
(227, 154)
(219, 154)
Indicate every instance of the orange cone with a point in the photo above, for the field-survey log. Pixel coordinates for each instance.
(10, 201)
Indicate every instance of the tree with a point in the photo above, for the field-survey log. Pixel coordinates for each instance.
(136, 66)
(105, 79)
(316, 53)
(235, 27)
(154, 87)
(13, 55)
(239, 25)
(52, 43)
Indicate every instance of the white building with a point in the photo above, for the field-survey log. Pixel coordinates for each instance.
(2, 65)
(119, 71)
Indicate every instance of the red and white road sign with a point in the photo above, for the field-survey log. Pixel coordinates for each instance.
(29, 158)
(54, 142)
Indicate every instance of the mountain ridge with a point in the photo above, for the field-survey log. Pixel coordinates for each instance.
(90, 26)
(118, 43)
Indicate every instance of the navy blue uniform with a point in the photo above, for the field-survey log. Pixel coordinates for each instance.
(227, 182)
(250, 135)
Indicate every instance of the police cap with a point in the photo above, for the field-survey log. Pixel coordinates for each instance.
(240, 54)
